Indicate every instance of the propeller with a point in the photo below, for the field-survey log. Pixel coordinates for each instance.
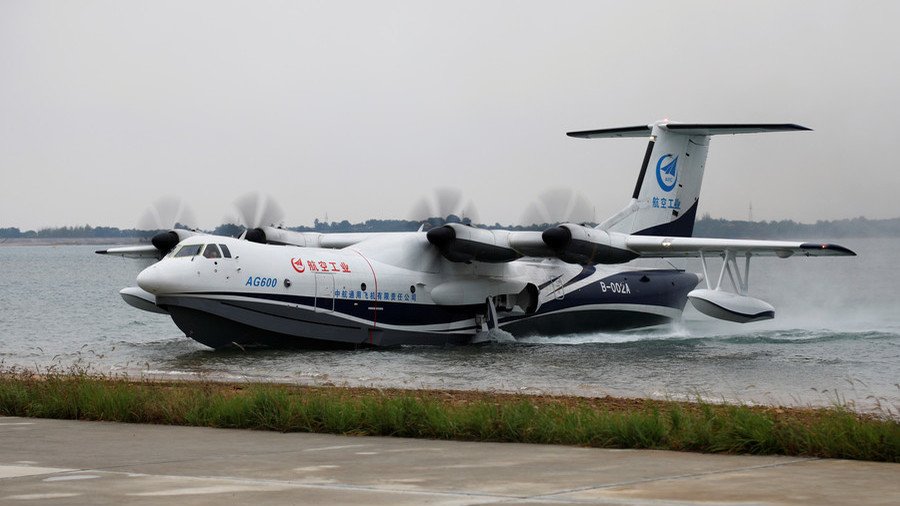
(559, 205)
(164, 215)
(442, 206)
(445, 205)
(256, 210)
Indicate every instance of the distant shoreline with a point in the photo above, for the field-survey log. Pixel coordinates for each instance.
(68, 241)
(705, 226)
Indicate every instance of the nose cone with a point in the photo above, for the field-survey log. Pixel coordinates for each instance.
(151, 279)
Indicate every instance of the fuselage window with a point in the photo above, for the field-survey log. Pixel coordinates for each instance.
(225, 252)
(189, 250)
(212, 251)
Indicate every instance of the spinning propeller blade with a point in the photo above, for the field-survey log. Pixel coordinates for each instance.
(446, 204)
(256, 210)
(559, 205)
(166, 213)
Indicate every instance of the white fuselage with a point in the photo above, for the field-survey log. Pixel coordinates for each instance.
(390, 289)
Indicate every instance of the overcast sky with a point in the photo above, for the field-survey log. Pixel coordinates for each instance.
(357, 109)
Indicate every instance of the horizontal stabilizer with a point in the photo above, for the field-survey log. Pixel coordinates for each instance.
(672, 247)
(604, 133)
(736, 128)
(689, 129)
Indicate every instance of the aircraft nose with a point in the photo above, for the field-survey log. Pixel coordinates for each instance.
(150, 279)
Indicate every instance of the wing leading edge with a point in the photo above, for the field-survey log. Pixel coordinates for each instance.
(143, 251)
(669, 247)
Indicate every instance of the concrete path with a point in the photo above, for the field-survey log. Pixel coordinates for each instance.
(70, 462)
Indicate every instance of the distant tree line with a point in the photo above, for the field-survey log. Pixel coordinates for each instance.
(77, 232)
(737, 229)
(706, 226)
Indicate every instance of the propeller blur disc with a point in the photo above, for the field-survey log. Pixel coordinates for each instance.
(256, 210)
(447, 204)
(167, 212)
(559, 205)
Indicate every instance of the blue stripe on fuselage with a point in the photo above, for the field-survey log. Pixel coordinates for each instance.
(391, 313)
(667, 288)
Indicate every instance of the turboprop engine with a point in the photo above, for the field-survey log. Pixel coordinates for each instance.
(166, 241)
(462, 243)
(273, 235)
(572, 243)
(283, 237)
(578, 244)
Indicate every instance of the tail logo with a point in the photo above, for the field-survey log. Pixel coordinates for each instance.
(666, 172)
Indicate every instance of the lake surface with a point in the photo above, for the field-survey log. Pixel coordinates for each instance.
(835, 338)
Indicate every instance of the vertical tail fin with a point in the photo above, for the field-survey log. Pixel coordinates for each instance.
(667, 192)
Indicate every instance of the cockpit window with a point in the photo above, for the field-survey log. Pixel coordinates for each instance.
(225, 251)
(212, 251)
(189, 250)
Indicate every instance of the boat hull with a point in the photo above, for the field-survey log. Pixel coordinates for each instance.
(225, 319)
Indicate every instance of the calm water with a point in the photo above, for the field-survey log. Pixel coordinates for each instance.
(836, 337)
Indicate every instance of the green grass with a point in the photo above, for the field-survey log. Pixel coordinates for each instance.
(608, 423)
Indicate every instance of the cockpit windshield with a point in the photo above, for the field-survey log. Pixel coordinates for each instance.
(212, 251)
(188, 250)
(209, 251)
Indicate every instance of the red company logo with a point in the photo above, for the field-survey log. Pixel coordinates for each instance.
(298, 265)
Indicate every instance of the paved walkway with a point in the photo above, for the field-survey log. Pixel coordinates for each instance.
(70, 462)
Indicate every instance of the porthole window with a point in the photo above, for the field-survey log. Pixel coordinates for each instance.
(362, 287)
(412, 288)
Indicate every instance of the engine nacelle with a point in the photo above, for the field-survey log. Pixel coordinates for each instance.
(462, 243)
(283, 237)
(166, 241)
(730, 306)
(578, 244)
(279, 236)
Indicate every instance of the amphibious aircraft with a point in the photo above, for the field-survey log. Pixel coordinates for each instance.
(455, 283)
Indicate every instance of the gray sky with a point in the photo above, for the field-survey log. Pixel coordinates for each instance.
(356, 109)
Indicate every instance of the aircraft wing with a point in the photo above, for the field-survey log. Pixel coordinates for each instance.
(143, 251)
(669, 247)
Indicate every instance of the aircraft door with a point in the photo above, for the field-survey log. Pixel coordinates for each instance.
(556, 289)
(324, 293)
(210, 261)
